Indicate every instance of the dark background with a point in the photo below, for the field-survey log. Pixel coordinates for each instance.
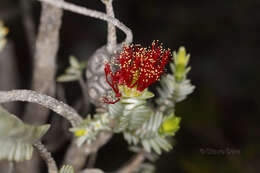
(221, 36)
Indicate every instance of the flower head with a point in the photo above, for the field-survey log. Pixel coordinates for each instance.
(137, 69)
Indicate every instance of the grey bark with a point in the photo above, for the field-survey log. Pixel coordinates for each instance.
(44, 65)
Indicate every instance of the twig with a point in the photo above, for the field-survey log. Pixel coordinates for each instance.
(31, 96)
(111, 30)
(77, 156)
(46, 156)
(93, 13)
(133, 164)
(101, 140)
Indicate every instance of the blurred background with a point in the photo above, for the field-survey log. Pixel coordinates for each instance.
(220, 120)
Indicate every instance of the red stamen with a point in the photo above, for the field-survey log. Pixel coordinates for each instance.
(139, 67)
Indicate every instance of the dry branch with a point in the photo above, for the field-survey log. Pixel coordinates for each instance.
(44, 62)
(33, 97)
(111, 29)
(46, 156)
(93, 13)
(77, 156)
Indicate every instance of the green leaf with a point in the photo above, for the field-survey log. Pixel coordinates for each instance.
(170, 125)
(66, 169)
(67, 78)
(72, 71)
(74, 62)
(17, 138)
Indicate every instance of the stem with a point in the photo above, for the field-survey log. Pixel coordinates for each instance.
(111, 30)
(46, 156)
(93, 13)
(133, 164)
(31, 96)
(77, 156)
(44, 61)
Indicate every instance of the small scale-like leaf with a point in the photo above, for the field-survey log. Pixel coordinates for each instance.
(170, 125)
(146, 95)
(74, 62)
(72, 71)
(16, 137)
(155, 146)
(131, 103)
(115, 110)
(66, 169)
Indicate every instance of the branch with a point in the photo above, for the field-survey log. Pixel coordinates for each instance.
(93, 13)
(111, 30)
(44, 66)
(133, 164)
(77, 156)
(100, 141)
(31, 96)
(44, 62)
(46, 156)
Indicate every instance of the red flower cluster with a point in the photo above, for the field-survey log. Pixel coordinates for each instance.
(138, 67)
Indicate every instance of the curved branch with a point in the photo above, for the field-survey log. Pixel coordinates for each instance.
(46, 156)
(31, 96)
(93, 13)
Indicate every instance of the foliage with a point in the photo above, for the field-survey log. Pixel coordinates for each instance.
(130, 113)
(90, 127)
(175, 87)
(17, 138)
(74, 71)
(134, 117)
